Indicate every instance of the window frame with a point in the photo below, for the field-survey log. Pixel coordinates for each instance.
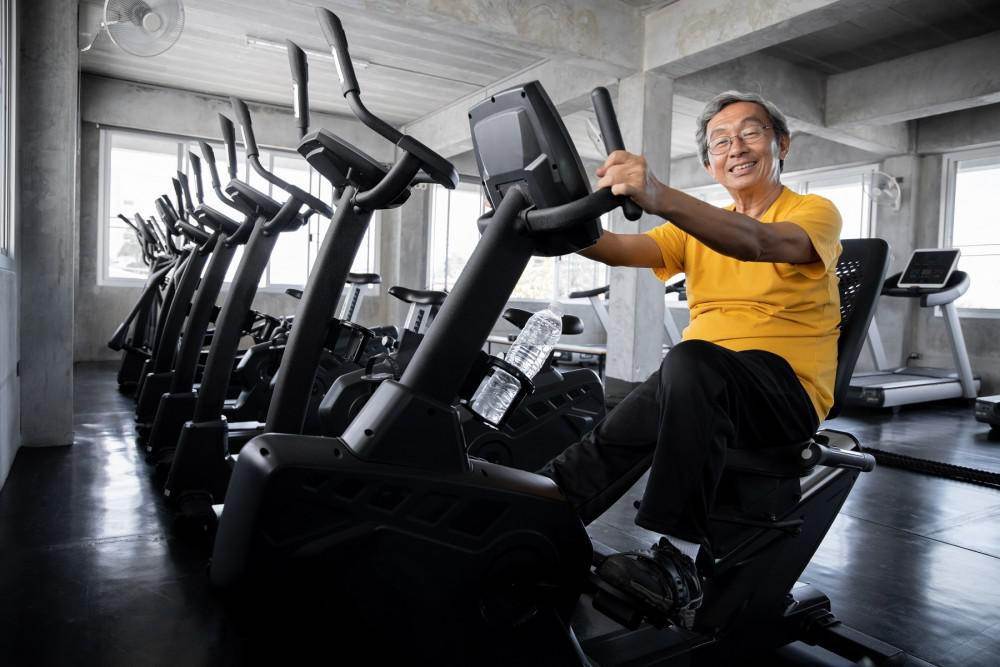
(946, 218)
(183, 145)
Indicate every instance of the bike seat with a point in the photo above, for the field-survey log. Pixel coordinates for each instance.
(418, 296)
(363, 279)
(583, 294)
(571, 324)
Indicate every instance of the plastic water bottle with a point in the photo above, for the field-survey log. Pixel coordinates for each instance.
(528, 353)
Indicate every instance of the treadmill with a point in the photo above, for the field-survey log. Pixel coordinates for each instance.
(930, 276)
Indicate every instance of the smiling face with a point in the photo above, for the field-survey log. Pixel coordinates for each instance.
(744, 167)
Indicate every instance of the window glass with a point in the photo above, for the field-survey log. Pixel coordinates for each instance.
(976, 230)
(849, 198)
(140, 168)
(289, 263)
(454, 232)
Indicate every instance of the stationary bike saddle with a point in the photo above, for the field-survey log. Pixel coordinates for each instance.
(583, 294)
(423, 297)
(363, 279)
(571, 324)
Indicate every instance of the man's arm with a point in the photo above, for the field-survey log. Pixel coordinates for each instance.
(734, 234)
(727, 232)
(636, 250)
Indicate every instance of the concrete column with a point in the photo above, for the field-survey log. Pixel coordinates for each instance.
(896, 317)
(403, 246)
(645, 103)
(48, 128)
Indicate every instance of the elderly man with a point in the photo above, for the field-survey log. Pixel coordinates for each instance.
(758, 361)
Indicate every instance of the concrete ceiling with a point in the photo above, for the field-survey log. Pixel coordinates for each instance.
(413, 70)
(891, 32)
(829, 66)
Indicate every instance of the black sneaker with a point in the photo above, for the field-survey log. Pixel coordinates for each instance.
(663, 579)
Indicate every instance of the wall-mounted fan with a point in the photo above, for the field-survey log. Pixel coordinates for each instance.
(141, 27)
(883, 188)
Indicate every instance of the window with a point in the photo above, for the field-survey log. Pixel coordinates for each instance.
(6, 106)
(841, 186)
(454, 235)
(137, 168)
(970, 223)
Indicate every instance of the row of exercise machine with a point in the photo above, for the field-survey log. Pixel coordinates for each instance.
(357, 504)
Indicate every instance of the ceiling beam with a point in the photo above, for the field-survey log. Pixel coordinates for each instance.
(800, 93)
(692, 35)
(953, 77)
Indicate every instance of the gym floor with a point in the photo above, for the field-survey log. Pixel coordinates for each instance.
(89, 572)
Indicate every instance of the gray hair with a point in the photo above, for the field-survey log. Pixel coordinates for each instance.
(777, 119)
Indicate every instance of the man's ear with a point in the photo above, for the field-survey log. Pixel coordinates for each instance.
(783, 143)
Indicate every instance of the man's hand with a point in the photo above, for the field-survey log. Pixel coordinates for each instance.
(628, 175)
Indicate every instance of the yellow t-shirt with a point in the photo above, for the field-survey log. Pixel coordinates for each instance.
(792, 310)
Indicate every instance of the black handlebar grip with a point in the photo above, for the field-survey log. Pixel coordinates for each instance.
(213, 171)
(611, 132)
(229, 139)
(186, 189)
(333, 30)
(196, 170)
(179, 211)
(165, 210)
(300, 84)
(243, 118)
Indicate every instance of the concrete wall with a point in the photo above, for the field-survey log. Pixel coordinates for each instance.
(10, 406)
(10, 417)
(122, 104)
(47, 128)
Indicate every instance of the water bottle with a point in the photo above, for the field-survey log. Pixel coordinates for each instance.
(528, 353)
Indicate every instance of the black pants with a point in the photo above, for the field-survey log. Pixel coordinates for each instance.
(679, 423)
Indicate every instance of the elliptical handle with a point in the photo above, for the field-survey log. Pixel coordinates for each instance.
(246, 126)
(611, 132)
(213, 170)
(300, 85)
(333, 31)
(179, 211)
(168, 214)
(229, 138)
(186, 189)
(199, 191)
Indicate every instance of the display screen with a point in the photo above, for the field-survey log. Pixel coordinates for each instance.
(930, 267)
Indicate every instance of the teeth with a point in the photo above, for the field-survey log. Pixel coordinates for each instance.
(743, 167)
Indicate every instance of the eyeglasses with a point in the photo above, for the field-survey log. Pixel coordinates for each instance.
(750, 135)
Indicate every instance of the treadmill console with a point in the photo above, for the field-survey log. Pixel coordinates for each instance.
(929, 268)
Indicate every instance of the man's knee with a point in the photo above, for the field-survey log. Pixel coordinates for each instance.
(690, 362)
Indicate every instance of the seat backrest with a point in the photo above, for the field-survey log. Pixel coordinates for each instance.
(861, 270)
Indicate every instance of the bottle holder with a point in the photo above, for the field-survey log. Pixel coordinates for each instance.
(525, 389)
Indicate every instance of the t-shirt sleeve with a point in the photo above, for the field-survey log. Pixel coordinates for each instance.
(670, 241)
(820, 220)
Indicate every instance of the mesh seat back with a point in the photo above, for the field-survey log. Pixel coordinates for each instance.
(861, 269)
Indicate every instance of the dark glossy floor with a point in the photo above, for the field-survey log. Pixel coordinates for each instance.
(90, 574)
